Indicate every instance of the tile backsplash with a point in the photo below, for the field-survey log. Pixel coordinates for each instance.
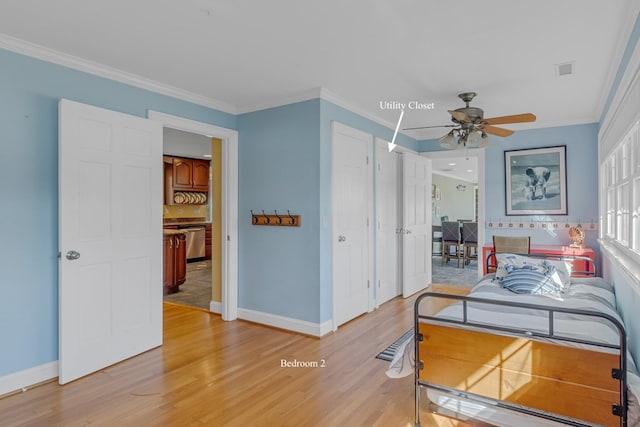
(184, 211)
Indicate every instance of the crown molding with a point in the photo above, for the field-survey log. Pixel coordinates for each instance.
(341, 102)
(325, 94)
(60, 58)
(624, 35)
(306, 95)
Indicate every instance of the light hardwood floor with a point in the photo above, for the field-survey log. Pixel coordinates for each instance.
(211, 372)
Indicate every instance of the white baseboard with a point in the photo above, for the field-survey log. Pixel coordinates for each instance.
(215, 307)
(24, 379)
(288, 323)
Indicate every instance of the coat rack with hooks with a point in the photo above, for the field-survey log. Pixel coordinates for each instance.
(275, 219)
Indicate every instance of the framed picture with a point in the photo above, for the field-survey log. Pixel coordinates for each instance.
(433, 191)
(536, 181)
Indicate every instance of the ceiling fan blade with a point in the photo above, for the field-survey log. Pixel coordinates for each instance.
(459, 116)
(516, 118)
(429, 127)
(494, 130)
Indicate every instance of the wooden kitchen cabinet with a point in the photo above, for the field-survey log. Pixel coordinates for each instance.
(175, 261)
(200, 175)
(207, 241)
(190, 174)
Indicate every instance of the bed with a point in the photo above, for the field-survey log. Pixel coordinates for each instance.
(512, 357)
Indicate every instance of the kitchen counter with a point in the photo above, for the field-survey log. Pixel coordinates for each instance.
(171, 232)
(185, 221)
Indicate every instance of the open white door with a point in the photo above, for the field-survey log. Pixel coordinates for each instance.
(110, 238)
(416, 236)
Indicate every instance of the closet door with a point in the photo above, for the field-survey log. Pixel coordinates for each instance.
(388, 280)
(351, 198)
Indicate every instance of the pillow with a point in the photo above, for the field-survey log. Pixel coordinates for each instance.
(526, 275)
(509, 261)
(530, 281)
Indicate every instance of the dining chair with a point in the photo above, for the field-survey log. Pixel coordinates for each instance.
(451, 241)
(469, 242)
(436, 239)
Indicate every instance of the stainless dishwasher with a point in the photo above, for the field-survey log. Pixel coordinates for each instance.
(195, 242)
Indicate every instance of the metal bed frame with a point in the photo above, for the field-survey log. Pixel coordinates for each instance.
(619, 372)
(590, 271)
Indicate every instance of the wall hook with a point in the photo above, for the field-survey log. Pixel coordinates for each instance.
(278, 218)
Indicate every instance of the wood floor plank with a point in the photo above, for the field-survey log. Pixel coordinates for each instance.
(211, 372)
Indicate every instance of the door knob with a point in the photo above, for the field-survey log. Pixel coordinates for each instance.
(73, 255)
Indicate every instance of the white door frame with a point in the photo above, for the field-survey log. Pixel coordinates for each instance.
(480, 154)
(229, 201)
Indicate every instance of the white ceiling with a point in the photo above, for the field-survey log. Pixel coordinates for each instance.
(245, 55)
(460, 167)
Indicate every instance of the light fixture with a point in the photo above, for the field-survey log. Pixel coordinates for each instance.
(448, 141)
(465, 137)
(461, 187)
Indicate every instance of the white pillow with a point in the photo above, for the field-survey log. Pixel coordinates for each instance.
(523, 274)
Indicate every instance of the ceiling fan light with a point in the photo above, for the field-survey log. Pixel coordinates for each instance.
(474, 139)
(462, 141)
(448, 141)
(486, 141)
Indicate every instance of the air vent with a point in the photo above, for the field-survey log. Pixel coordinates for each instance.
(566, 69)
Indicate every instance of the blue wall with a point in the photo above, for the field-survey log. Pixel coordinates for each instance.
(284, 163)
(582, 179)
(30, 90)
(279, 169)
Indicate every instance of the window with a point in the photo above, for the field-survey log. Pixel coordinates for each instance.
(621, 184)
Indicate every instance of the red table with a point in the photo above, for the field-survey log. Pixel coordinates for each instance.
(548, 249)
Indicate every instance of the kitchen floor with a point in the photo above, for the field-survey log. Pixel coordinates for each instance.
(196, 290)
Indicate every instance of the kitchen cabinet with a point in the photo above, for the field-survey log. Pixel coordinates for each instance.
(207, 241)
(190, 174)
(186, 181)
(175, 260)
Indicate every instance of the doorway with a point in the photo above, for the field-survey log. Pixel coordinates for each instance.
(227, 210)
(467, 167)
(199, 284)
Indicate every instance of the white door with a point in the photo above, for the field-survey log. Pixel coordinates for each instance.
(388, 280)
(351, 186)
(416, 236)
(110, 238)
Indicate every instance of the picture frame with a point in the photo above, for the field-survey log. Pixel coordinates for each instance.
(536, 181)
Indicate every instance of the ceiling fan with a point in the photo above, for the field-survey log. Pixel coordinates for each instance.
(471, 128)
